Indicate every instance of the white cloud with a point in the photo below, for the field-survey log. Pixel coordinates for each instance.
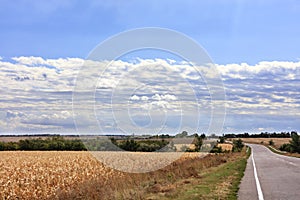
(243, 70)
(36, 93)
(145, 98)
(31, 61)
(134, 98)
(167, 97)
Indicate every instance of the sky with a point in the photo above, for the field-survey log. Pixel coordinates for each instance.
(255, 46)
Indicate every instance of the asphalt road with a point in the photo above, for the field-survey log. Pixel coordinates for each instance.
(272, 176)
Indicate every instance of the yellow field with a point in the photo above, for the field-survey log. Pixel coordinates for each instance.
(35, 175)
(277, 141)
(226, 147)
(45, 175)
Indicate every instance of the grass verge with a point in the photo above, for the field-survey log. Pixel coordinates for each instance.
(277, 143)
(277, 151)
(221, 182)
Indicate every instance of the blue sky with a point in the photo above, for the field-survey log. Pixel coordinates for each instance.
(231, 31)
(255, 45)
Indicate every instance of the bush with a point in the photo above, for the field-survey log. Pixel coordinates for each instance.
(285, 147)
(295, 143)
(293, 146)
(145, 145)
(198, 141)
(216, 149)
(222, 140)
(2, 146)
(271, 143)
(237, 145)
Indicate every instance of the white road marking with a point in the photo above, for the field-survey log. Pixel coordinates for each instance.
(293, 164)
(259, 191)
(280, 158)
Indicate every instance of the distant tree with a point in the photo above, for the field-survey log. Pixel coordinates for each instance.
(295, 143)
(113, 140)
(25, 144)
(2, 146)
(221, 140)
(198, 141)
(129, 145)
(11, 146)
(51, 143)
(203, 136)
(77, 145)
(182, 134)
(246, 135)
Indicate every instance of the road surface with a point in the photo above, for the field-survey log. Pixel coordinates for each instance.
(270, 176)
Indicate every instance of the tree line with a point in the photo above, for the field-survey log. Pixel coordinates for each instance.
(55, 143)
(261, 135)
(59, 143)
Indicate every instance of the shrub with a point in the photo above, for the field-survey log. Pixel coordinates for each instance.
(216, 149)
(271, 142)
(295, 143)
(293, 146)
(237, 145)
(222, 140)
(198, 141)
(2, 146)
(285, 147)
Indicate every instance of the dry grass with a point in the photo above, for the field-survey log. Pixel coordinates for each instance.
(225, 147)
(16, 139)
(165, 181)
(219, 182)
(39, 175)
(71, 175)
(277, 141)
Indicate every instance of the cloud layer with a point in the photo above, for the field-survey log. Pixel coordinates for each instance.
(148, 95)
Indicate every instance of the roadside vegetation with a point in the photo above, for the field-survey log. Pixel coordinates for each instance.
(224, 147)
(195, 175)
(284, 143)
(221, 182)
(293, 146)
(215, 176)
